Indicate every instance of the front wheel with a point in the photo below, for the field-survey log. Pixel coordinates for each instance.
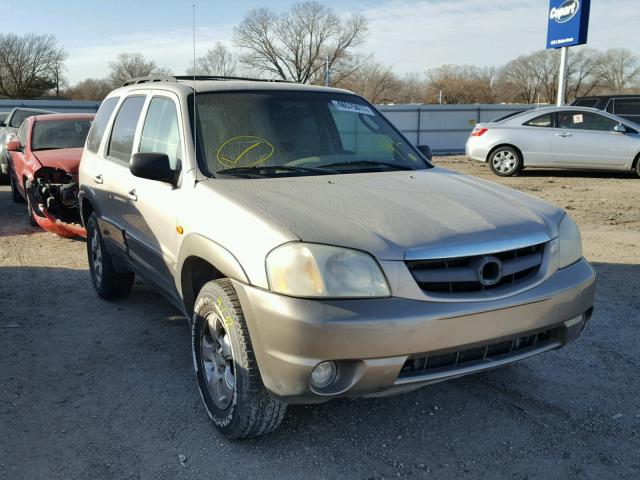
(638, 166)
(226, 370)
(106, 280)
(505, 161)
(16, 196)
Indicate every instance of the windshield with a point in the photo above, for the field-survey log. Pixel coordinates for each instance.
(20, 115)
(55, 134)
(284, 133)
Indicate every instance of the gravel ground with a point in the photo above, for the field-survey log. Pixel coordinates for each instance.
(91, 389)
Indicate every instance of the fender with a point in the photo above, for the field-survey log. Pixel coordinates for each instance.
(87, 193)
(196, 245)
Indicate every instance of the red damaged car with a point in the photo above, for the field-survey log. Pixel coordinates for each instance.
(45, 156)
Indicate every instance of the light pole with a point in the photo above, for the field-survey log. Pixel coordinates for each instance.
(562, 81)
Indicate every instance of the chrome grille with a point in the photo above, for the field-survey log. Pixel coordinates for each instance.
(459, 275)
(425, 363)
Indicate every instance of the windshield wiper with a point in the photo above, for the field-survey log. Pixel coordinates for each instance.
(262, 170)
(366, 163)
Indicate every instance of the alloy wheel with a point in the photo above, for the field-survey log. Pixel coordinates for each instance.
(96, 256)
(504, 161)
(217, 361)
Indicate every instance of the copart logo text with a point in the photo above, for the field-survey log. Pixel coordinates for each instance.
(565, 12)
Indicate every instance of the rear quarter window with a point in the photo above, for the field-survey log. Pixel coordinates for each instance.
(545, 120)
(99, 124)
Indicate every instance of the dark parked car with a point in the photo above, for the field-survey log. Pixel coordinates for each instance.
(625, 106)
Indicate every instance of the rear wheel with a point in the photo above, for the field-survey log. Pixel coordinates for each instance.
(228, 377)
(638, 165)
(505, 161)
(106, 280)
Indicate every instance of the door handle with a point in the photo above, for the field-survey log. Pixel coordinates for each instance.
(563, 135)
(133, 196)
(98, 179)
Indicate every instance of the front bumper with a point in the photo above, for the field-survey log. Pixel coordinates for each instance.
(371, 340)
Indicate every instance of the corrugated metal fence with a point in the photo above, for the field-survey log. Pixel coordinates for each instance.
(444, 128)
(61, 106)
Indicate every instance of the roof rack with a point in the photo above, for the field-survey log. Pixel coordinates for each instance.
(177, 78)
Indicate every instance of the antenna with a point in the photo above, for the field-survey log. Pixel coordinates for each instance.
(195, 128)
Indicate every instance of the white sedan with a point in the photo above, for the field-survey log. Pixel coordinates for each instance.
(556, 137)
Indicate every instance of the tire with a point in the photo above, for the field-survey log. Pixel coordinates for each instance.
(16, 196)
(108, 283)
(226, 369)
(638, 165)
(30, 212)
(505, 161)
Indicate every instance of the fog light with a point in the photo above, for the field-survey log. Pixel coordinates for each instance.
(323, 374)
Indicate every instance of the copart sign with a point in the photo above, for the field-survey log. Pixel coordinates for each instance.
(568, 23)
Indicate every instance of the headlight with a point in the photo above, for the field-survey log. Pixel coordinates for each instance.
(570, 244)
(313, 270)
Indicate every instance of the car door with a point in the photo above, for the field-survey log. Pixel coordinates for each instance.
(151, 225)
(586, 139)
(534, 138)
(19, 158)
(112, 172)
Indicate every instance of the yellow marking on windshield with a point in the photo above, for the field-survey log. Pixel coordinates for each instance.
(258, 151)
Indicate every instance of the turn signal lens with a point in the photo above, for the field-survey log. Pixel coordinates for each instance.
(478, 132)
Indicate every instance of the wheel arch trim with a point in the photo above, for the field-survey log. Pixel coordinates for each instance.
(196, 245)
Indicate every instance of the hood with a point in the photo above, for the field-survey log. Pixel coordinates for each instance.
(67, 159)
(395, 214)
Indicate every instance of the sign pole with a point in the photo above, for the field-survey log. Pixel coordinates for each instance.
(562, 82)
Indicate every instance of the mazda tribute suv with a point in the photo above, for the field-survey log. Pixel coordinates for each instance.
(315, 251)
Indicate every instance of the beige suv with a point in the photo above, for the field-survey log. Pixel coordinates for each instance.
(315, 251)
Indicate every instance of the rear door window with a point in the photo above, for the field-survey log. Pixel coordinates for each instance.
(160, 133)
(545, 120)
(100, 123)
(124, 128)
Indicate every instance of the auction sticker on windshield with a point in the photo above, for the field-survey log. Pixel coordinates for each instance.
(352, 107)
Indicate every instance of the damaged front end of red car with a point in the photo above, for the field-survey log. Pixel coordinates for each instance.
(53, 196)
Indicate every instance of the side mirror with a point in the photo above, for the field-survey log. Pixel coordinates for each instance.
(620, 128)
(426, 151)
(153, 166)
(14, 145)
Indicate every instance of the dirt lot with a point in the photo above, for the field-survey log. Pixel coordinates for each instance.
(90, 389)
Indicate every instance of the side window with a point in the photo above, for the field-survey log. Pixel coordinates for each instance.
(609, 106)
(160, 133)
(124, 128)
(22, 134)
(587, 102)
(627, 106)
(545, 120)
(578, 120)
(99, 124)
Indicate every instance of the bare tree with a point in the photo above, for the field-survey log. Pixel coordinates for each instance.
(218, 61)
(619, 69)
(412, 88)
(296, 45)
(29, 64)
(460, 84)
(89, 89)
(374, 81)
(131, 65)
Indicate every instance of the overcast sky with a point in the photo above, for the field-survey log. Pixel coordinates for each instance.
(410, 35)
